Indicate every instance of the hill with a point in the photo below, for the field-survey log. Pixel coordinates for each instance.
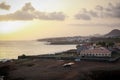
(113, 33)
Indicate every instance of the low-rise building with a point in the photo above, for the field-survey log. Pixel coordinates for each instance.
(117, 45)
(96, 52)
(92, 50)
(81, 47)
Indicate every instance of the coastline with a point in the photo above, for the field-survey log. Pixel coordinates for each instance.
(50, 67)
(11, 49)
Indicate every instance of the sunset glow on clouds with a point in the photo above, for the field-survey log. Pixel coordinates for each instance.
(54, 18)
(4, 6)
(111, 11)
(28, 12)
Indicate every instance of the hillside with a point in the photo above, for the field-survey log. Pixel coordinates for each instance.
(64, 40)
(44, 69)
(112, 36)
(113, 33)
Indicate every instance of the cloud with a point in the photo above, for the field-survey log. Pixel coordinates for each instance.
(97, 25)
(28, 12)
(111, 11)
(49, 16)
(82, 16)
(4, 6)
(93, 13)
(28, 7)
(98, 7)
(85, 14)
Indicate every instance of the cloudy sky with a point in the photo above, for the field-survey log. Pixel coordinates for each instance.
(33, 19)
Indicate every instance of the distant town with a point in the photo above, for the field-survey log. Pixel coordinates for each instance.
(100, 48)
(112, 36)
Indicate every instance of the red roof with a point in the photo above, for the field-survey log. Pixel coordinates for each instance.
(96, 51)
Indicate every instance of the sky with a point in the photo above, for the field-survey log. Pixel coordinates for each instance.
(36, 19)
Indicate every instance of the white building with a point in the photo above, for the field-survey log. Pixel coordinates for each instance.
(96, 52)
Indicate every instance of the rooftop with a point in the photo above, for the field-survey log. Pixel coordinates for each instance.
(96, 50)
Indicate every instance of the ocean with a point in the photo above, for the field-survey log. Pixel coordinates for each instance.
(12, 49)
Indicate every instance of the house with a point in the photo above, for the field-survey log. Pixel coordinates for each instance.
(88, 50)
(117, 45)
(95, 52)
(81, 47)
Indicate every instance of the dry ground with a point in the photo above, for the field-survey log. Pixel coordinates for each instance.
(47, 69)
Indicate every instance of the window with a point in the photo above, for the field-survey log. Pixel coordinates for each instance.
(99, 54)
(89, 54)
(109, 54)
(102, 54)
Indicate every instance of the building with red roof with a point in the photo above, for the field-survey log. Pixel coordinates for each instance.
(96, 52)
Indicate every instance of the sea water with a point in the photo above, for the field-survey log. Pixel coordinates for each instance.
(12, 49)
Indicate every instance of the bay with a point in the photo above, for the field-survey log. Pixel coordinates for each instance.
(12, 49)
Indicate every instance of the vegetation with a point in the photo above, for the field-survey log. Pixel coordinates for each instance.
(102, 39)
(23, 55)
(105, 44)
(115, 54)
